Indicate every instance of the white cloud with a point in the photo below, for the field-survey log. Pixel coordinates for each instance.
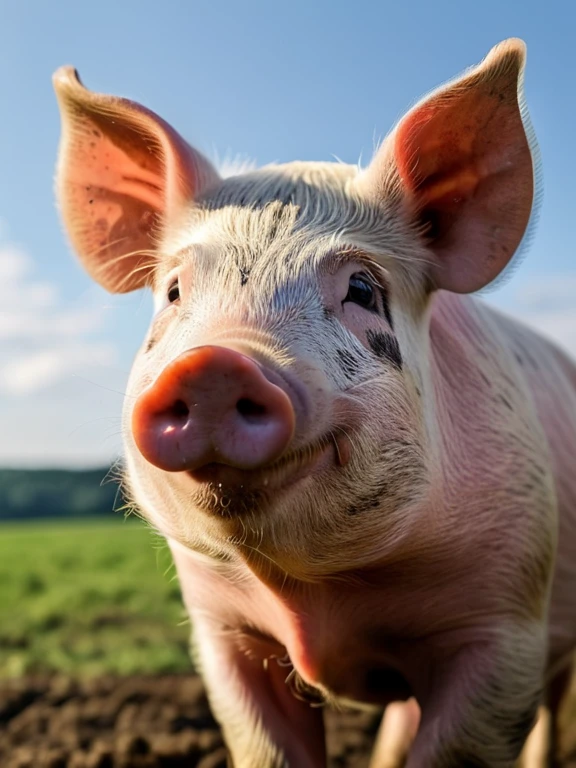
(548, 304)
(549, 291)
(42, 338)
(46, 320)
(38, 370)
(14, 265)
(557, 324)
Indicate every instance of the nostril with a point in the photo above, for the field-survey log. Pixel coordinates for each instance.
(179, 410)
(213, 405)
(249, 409)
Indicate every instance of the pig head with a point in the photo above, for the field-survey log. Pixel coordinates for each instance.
(340, 446)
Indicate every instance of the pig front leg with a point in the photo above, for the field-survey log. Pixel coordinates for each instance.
(481, 704)
(396, 734)
(545, 746)
(264, 724)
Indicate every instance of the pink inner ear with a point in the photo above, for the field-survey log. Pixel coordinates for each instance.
(114, 198)
(442, 158)
(110, 184)
(123, 174)
(465, 164)
(106, 167)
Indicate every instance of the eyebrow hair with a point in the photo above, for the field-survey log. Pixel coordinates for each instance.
(166, 264)
(175, 259)
(334, 258)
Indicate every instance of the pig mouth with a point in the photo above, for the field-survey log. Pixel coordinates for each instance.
(233, 490)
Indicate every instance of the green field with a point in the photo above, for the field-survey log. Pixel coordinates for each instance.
(88, 597)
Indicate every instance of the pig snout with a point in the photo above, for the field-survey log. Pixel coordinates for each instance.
(212, 405)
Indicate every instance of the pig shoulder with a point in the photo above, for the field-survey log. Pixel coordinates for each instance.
(523, 388)
(551, 378)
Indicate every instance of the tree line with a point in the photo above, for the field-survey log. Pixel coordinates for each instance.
(37, 493)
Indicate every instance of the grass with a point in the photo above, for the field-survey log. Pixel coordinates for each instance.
(88, 598)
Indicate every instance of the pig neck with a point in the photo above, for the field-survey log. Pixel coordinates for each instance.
(467, 375)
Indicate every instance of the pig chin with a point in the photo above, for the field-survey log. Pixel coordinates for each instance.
(227, 491)
(212, 499)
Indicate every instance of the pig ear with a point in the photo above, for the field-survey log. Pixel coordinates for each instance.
(464, 164)
(123, 174)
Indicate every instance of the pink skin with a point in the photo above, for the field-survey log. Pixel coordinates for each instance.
(341, 639)
(212, 406)
(361, 497)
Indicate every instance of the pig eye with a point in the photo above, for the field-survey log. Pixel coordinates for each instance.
(174, 292)
(361, 291)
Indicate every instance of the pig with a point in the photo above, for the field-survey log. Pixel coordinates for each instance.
(365, 475)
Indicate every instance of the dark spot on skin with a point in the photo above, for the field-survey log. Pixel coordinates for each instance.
(244, 274)
(519, 358)
(90, 201)
(150, 344)
(386, 491)
(368, 502)
(399, 483)
(274, 225)
(348, 363)
(328, 313)
(385, 347)
(484, 378)
(242, 268)
(506, 402)
(96, 133)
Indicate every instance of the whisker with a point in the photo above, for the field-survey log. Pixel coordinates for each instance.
(151, 257)
(92, 421)
(262, 554)
(101, 386)
(144, 251)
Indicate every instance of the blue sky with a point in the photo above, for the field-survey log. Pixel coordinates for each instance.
(270, 81)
